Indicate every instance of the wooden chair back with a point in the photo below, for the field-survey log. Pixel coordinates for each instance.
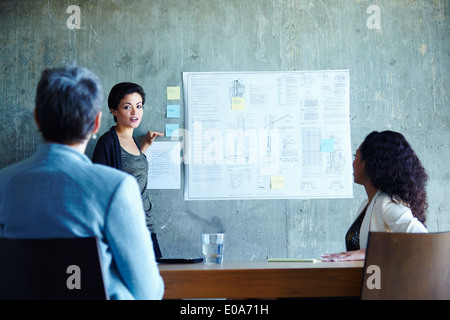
(407, 266)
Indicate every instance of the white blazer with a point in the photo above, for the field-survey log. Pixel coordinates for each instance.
(385, 215)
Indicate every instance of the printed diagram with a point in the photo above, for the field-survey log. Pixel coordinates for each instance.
(289, 157)
(239, 177)
(237, 89)
(268, 135)
(335, 165)
(288, 135)
(336, 160)
(307, 185)
(237, 92)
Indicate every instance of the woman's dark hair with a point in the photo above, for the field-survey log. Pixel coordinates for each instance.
(68, 100)
(393, 167)
(120, 90)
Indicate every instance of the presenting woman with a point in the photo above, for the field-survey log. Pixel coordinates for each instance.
(117, 148)
(394, 180)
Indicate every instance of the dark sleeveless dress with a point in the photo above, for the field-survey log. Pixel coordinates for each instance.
(138, 167)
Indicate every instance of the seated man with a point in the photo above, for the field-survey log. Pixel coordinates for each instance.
(60, 193)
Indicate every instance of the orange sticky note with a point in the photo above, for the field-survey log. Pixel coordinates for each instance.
(173, 93)
(238, 103)
(277, 182)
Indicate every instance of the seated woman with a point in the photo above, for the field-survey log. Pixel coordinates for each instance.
(394, 180)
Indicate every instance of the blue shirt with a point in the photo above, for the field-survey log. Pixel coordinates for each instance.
(60, 193)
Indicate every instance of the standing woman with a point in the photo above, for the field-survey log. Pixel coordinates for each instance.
(394, 180)
(117, 147)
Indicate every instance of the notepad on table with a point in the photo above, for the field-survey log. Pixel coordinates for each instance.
(292, 260)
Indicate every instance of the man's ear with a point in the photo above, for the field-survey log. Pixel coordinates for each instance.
(36, 119)
(97, 123)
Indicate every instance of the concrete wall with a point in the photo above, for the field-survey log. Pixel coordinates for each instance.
(398, 74)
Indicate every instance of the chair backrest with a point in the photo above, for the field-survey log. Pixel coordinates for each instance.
(50, 269)
(407, 266)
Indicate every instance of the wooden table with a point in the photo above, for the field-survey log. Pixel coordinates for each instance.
(262, 280)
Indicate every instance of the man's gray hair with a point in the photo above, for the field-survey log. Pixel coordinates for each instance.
(68, 100)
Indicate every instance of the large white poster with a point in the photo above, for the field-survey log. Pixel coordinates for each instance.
(267, 135)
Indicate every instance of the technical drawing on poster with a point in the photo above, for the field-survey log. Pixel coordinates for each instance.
(267, 135)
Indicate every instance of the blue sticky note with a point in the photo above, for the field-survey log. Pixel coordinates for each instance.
(327, 145)
(173, 111)
(172, 130)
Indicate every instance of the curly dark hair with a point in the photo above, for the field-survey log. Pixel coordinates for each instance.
(393, 167)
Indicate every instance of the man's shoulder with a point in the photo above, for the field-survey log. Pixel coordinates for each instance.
(109, 172)
(15, 167)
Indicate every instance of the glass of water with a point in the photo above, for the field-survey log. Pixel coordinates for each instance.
(212, 247)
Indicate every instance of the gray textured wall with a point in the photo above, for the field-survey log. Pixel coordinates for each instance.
(398, 75)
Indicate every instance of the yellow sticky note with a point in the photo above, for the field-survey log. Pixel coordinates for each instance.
(173, 93)
(277, 182)
(238, 103)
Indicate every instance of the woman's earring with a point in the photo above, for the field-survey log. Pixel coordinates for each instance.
(94, 136)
